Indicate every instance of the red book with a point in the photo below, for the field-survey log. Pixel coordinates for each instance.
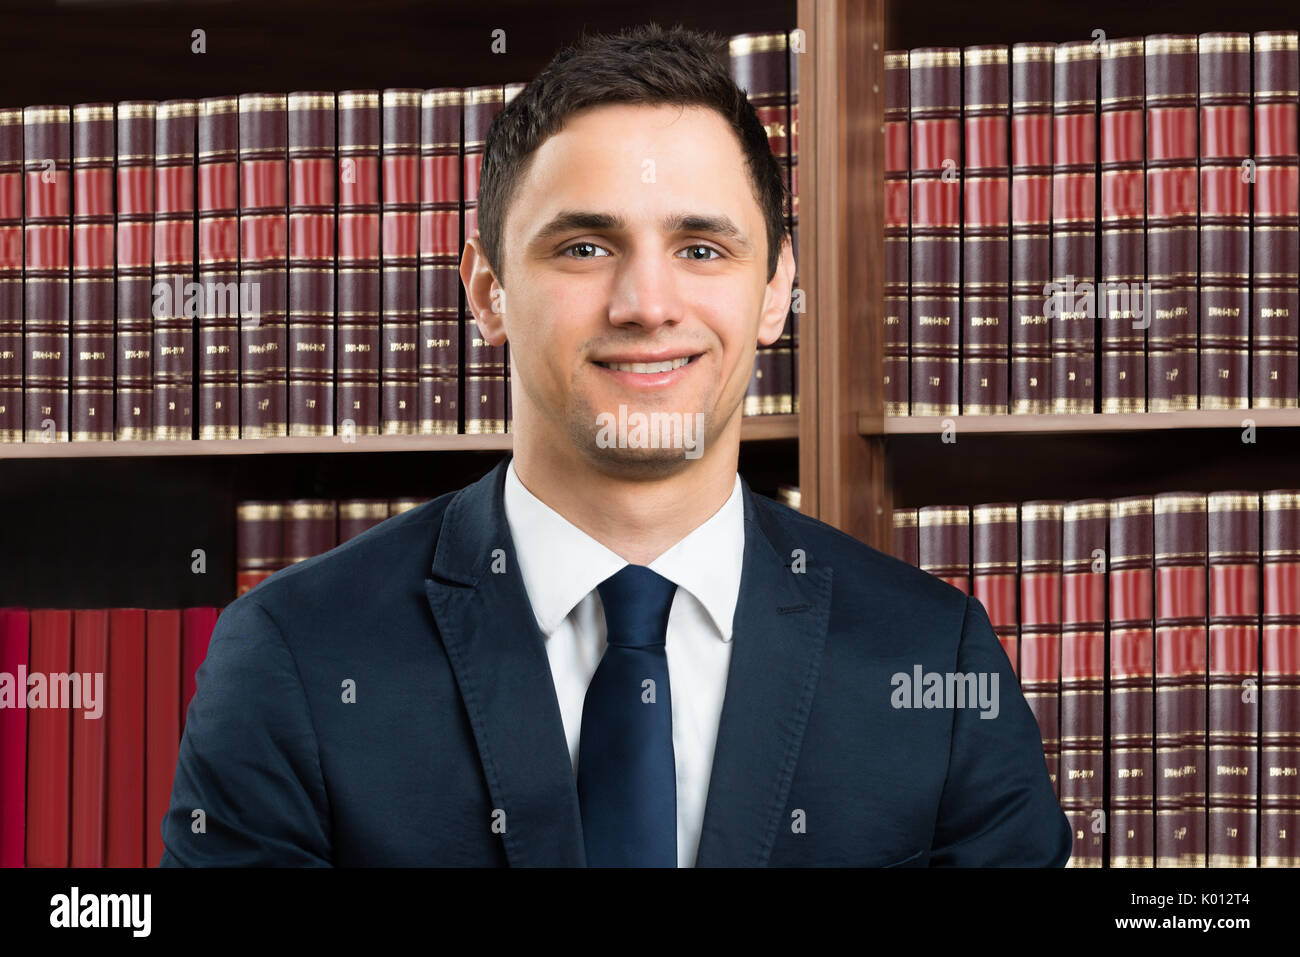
(358, 264)
(310, 528)
(357, 515)
(134, 287)
(218, 225)
(15, 625)
(89, 737)
(1279, 826)
(196, 632)
(994, 577)
(125, 714)
(1040, 623)
(1224, 299)
(47, 146)
(400, 252)
(789, 338)
(1131, 584)
(1275, 298)
(897, 214)
(92, 272)
(440, 246)
(906, 541)
(173, 268)
(259, 542)
(162, 721)
(49, 739)
(1232, 761)
(943, 543)
(1083, 677)
(11, 275)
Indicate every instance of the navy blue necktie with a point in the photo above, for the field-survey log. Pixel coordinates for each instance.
(627, 780)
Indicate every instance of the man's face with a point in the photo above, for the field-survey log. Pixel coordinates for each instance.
(635, 236)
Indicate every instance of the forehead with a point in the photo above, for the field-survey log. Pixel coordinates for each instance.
(636, 158)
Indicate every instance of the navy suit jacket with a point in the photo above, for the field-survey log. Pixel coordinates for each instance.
(390, 702)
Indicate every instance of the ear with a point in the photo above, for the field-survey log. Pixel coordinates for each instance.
(776, 299)
(486, 296)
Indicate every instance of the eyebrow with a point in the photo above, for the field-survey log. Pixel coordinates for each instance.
(571, 220)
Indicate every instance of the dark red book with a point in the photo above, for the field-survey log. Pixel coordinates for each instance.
(358, 264)
(789, 338)
(11, 275)
(943, 543)
(1275, 232)
(162, 721)
(1180, 547)
(310, 528)
(995, 550)
(396, 506)
(91, 365)
(218, 269)
(15, 628)
(1172, 208)
(196, 633)
(357, 515)
(89, 738)
(259, 542)
(1083, 678)
(1224, 300)
(400, 251)
(1120, 302)
(125, 714)
(986, 235)
(135, 216)
(263, 263)
(1279, 736)
(173, 269)
(47, 148)
(1031, 226)
(1232, 761)
(49, 739)
(1131, 584)
(897, 216)
(312, 177)
(1040, 623)
(440, 248)
(906, 540)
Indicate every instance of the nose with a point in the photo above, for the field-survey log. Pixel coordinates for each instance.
(645, 290)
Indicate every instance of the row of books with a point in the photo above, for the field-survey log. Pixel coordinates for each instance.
(92, 707)
(1156, 639)
(267, 265)
(1093, 226)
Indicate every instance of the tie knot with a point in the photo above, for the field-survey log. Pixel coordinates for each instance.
(637, 601)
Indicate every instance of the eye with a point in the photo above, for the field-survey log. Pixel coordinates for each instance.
(587, 246)
(710, 249)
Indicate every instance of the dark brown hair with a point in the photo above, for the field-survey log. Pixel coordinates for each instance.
(646, 64)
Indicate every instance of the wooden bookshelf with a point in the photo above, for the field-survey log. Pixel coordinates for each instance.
(1045, 424)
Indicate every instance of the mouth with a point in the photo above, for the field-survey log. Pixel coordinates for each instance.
(649, 368)
(649, 375)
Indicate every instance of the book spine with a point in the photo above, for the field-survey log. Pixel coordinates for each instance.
(173, 270)
(511, 90)
(934, 111)
(396, 506)
(162, 721)
(47, 148)
(125, 713)
(196, 633)
(1224, 234)
(91, 365)
(15, 631)
(358, 263)
(49, 743)
(986, 235)
(897, 217)
(11, 275)
(1031, 226)
(1074, 227)
(994, 575)
(310, 528)
(357, 515)
(1131, 586)
(259, 542)
(218, 216)
(1279, 699)
(263, 264)
(1040, 624)
(943, 543)
(1275, 232)
(484, 364)
(1172, 209)
(788, 341)
(906, 541)
(440, 247)
(1083, 677)
(89, 738)
(1180, 547)
(312, 176)
(400, 248)
(133, 374)
(1120, 299)
(1232, 716)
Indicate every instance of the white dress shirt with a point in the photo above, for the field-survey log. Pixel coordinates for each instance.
(561, 567)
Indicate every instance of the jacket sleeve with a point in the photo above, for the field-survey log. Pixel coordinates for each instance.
(248, 760)
(998, 808)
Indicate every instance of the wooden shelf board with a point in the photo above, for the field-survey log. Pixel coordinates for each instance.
(1096, 423)
(755, 428)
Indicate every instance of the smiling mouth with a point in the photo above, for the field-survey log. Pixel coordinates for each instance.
(645, 368)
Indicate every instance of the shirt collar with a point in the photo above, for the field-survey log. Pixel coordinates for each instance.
(561, 564)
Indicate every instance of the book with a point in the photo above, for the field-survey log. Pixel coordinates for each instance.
(399, 253)
(15, 629)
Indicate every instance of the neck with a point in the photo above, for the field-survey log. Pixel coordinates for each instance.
(636, 518)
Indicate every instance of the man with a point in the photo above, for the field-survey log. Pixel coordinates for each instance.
(612, 652)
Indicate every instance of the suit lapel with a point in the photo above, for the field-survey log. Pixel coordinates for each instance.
(779, 634)
(499, 659)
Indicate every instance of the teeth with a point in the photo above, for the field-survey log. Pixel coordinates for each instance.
(668, 365)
